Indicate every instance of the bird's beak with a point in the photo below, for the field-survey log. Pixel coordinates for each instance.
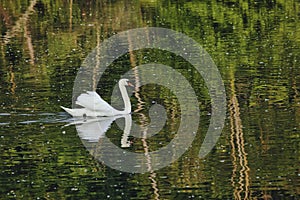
(130, 84)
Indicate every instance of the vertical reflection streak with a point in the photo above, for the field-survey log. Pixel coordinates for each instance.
(238, 152)
(234, 159)
(22, 21)
(95, 69)
(12, 80)
(143, 120)
(27, 35)
(70, 15)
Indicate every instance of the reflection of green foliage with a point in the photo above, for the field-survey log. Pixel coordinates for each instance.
(242, 35)
(61, 45)
(254, 43)
(274, 95)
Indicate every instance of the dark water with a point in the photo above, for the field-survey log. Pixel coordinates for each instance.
(255, 45)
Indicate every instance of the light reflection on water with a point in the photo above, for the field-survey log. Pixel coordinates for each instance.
(31, 118)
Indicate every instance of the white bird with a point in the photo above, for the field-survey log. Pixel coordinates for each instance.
(94, 106)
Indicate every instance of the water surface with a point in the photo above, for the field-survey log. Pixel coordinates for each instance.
(256, 48)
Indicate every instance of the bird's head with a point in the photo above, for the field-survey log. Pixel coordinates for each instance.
(125, 82)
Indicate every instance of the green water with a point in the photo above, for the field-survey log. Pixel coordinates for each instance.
(255, 45)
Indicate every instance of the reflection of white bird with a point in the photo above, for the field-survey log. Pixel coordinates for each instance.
(93, 105)
(92, 129)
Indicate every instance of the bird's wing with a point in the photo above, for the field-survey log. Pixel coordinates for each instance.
(92, 101)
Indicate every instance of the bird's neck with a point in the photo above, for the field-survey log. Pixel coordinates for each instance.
(126, 99)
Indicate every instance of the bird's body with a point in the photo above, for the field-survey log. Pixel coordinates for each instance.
(94, 106)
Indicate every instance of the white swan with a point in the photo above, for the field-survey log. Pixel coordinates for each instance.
(94, 106)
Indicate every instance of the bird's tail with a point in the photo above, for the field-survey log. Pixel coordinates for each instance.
(77, 112)
(68, 110)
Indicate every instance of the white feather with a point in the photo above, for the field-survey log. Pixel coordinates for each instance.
(93, 105)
